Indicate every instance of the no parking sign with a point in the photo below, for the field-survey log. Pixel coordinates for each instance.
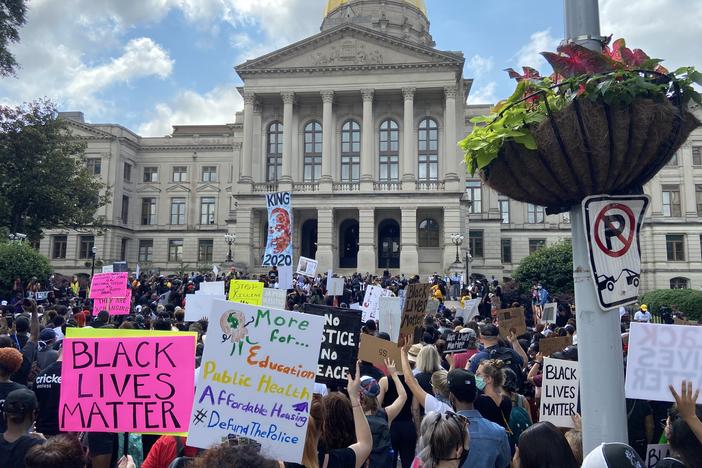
(612, 228)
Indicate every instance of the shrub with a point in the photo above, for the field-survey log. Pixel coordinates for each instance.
(552, 265)
(19, 260)
(689, 301)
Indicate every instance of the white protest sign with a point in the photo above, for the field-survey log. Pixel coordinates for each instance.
(335, 286)
(355, 306)
(274, 298)
(469, 310)
(662, 355)
(432, 306)
(108, 269)
(306, 267)
(257, 378)
(549, 313)
(212, 288)
(656, 453)
(390, 312)
(197, 306)
(371, 302)
(285, 277)
(559, 392)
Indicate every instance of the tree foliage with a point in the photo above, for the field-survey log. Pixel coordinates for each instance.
(689, 301)
(12, 18)
(552, 265)
(45, 181)
(19, 260)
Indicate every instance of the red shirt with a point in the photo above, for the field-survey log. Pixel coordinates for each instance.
(461, 359)
(165, 450)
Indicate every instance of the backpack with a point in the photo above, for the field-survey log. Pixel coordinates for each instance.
(505, 355)
(381, 455)
(518, 422)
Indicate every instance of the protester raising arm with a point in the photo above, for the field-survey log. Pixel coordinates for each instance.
(364, 439)
(686, 403)
(394, 409)
(427, 401)
(516, 346)
(536, 368)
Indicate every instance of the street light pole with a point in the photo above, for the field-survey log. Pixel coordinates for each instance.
(457, 240)
(229, 239)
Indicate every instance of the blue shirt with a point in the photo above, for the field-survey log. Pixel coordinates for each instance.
(489, 447)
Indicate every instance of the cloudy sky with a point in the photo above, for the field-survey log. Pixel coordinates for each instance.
(149, 64)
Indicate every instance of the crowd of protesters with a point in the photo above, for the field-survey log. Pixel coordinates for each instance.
(477, 408)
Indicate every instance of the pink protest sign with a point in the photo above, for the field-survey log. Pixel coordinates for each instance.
(127, 384)
(115, 306)
(108, 285)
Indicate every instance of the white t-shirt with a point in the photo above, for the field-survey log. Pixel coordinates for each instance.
(431, 403)
(641, 316)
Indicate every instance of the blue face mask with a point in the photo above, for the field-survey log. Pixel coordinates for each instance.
(480, 383)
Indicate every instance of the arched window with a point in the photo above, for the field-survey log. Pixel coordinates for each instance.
(313, 151)
(350, 151)
(389, 151)
(679, 283)
(274, 151)
(428, 233)
(428, 150)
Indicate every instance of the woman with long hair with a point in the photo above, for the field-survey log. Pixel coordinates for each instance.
(444, 441)
(493, 404)
(543, 446)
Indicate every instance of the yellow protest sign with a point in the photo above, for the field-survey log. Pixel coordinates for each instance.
(246, 292)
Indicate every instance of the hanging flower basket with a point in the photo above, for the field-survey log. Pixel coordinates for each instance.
(598, 126)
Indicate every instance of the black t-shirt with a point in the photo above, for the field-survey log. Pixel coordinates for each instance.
(339, 458)
(391, 395)
(48, 390)
(5, 389)
(490, 411)
(13, 454)
(424, 381)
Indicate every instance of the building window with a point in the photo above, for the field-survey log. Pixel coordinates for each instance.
(58, 249)
(679, 283)
(389, 151)
(207, 210)
(177, 210)
(673, 161)
(180, 174)
(671, 201)
(123, 250)
(535, 214)
(274, 151)
(125, 209)
(536, 244)
(175, 250)
(146, 250)
(475, 194)
(428, 150)
(475, 239)
(94, 166)
(127, 172)
(204, 251)
(428, 233)
(698, 199)
(148, 211)
(209, 174)
(506, 250)
(313, 152)
(675, 247)
(697, 155)
(504, 210)
(151, 174)
(350, 151)
(85, 246)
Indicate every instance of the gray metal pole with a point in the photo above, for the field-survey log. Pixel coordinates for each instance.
(603, 405)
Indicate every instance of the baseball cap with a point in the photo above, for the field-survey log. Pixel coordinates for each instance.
(461, 384)
(369, 387)
(644, 307)
(570, 353)
(47, 334)
(615, 455)
(22, 401)
(490, 331)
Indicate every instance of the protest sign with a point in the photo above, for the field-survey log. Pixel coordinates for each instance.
(108, 269)
(212, 288)
(413, 311)
(548, 315)
(375, 350)
(246, 292)
(279, 247)
(469, 310)
(197, 306)
(335, 287)
(511, 319)
(370, 303)
(274, 298)
(662, 355)
(390, 316)
(108, 285)
(457, 342)
(676, 321)
(432, 306)
(559, 392)
(306, 267)
(120, 267)
(137, 384)
(548, 346)
(115, 306)
(72, 332)
(41, 295)
(342, 329)
(655, 453)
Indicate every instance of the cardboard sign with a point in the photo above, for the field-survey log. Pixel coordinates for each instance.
(676, 321)
(307, 267)
(662, 355)
(212, 288)
(390, 312)
(432, 306)
(559, 392)
(141, 384)
(457, 342)
(375, 350)
(413, 311)
(549, 313)
(246, 292)
(342, 330)
(335, 287)
(548, 346)
(511, 319)
(370, 303)
(656, 453)
(197, 306)
(469, 310)
(257, 378)
(274, 298)
(115, 306)
(108, 285)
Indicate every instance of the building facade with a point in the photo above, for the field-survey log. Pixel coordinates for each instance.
(360, 122)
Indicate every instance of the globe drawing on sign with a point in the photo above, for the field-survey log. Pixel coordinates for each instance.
(233, 325)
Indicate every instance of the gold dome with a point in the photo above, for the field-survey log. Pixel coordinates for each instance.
(334, 4)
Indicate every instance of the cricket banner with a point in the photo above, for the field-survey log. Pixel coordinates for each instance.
(279, 248)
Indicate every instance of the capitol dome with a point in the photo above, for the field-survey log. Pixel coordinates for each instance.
(334, 4)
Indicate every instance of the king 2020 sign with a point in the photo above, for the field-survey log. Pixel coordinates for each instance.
(279, 247)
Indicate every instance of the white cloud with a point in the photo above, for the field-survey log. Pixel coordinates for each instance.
(189, 107)
(530, 54)
(484, 94)
(479, 66)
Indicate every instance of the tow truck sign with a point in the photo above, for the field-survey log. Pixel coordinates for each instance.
(612, 228)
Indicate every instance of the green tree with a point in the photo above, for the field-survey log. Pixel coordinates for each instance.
(45, 183)
(688, 301)
(19, 260)
(12, 18)
(552, 265)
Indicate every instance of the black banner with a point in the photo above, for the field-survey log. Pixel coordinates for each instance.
(457, 342)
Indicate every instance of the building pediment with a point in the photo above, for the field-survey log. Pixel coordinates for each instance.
(207, 188)
(177, 188)
(349, 46)
(148, 188)
(82, 130)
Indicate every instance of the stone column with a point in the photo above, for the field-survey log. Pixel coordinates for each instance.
(325, 236)
(409, 153)
(327, 133)
(367, 139)
(286, 178)
(451, 157)
(247, 148)
(366, 240)
(687, 191)
(243, 246)
(409, 259)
